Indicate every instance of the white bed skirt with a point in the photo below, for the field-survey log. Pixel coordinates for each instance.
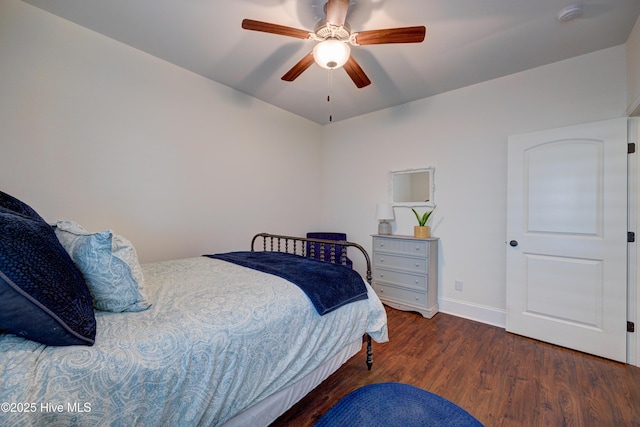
(266, 411)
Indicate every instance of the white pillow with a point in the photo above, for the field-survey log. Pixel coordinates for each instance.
(109, 264)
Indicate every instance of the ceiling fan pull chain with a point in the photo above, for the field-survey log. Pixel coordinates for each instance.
(329, 95)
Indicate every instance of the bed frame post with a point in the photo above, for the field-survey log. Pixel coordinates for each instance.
(369, 353)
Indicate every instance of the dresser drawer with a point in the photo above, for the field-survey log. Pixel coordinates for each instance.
(400, 294)
(417, 281)
(405, 247)
(382, 260)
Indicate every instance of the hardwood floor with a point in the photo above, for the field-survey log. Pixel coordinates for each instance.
(500, 378)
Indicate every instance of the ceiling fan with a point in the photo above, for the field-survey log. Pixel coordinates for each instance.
(333, 38)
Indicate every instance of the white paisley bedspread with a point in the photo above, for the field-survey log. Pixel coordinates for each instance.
(217, 339)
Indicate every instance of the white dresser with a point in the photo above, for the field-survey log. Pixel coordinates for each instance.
(405, 272)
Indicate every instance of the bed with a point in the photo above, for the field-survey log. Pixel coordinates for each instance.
(211, 342)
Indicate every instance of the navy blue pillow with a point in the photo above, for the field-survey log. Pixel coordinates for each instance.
(43, 296)
(15, 205)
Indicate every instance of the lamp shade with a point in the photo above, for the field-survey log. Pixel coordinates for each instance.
(331, 53)
(384, 211)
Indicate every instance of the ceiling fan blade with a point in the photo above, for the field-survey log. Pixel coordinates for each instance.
(356, 73)
(337, 12)
(265, 27)
(392, 35)
(299, 68)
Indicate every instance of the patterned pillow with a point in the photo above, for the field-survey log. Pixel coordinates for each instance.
(109, 264)
(43, 296)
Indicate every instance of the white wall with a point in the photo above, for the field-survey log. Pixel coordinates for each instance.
(98, 132)
(463, 134)
(633, 71)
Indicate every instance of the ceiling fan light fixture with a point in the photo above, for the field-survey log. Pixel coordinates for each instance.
(331, 53)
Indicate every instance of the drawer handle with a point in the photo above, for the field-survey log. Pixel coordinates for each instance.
(417, 299)
(417, 281)
(381, 259)
(417, 265)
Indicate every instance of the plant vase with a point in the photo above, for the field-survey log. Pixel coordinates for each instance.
(421, 231)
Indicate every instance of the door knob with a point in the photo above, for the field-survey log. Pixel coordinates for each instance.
(513, 243)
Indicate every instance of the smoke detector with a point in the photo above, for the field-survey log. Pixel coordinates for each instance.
(571, 12)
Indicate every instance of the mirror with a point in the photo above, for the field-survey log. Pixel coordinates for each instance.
(412, 187)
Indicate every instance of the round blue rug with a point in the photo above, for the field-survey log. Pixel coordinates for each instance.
(396, 404)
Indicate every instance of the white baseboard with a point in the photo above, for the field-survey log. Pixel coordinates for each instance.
(479, 313)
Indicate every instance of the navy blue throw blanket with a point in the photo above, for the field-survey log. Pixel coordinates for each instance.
(328, 286)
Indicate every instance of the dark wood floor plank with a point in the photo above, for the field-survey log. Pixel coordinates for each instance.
(502, 379)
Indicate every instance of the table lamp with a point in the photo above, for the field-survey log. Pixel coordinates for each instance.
(384, 214)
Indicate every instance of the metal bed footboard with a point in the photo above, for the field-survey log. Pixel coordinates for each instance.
(298, 246)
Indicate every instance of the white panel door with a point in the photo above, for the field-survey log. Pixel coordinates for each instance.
(567, 237)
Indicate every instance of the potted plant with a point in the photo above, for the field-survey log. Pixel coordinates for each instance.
(422, 230)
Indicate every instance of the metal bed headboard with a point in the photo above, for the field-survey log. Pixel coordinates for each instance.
(298, 246)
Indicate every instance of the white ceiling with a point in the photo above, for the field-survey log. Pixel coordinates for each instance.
(467, 41)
